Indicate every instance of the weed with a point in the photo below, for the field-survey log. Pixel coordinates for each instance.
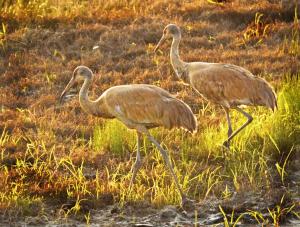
(280, 212)
(276, 214)
(62, 155)
(114, 136)
(256, 31)
(216, 2)
(3, 36)
(281, 170)
(291, 46)
(88, 218)
(233, 221)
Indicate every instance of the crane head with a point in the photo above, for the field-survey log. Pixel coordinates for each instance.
(171, 30)
(79, 73)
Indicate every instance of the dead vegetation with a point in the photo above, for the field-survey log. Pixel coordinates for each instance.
(39, 48)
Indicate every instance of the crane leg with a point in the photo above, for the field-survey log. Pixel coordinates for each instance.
(227, 143)
(167, 161)
(138, 162)
(249, 120)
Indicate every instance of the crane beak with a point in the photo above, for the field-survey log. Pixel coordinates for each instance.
(69, 85)
(163, 38)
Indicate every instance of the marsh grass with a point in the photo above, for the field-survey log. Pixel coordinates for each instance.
(257, 31)
(57, 154)
(114, 137)
(196, 157)
(44, 10)
(277, 214)
(203, 167)
(292, 44)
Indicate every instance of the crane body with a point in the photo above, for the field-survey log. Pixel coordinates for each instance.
(138, 106)
(224, 84)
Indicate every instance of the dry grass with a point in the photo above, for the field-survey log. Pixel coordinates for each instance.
(53, 155)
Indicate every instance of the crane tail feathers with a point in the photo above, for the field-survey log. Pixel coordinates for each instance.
(270, 97)
(181, 116)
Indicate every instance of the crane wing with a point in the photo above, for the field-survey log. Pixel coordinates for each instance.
(231, 85)
(148, 105)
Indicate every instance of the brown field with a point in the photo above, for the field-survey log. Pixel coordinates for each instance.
(59, 165)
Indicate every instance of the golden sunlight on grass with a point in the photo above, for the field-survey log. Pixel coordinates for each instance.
(59, 165)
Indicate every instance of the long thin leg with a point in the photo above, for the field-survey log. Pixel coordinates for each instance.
(167, 161)
(248, 116)
(138, 162)
(227, 143)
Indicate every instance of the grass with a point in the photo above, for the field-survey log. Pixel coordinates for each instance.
(292, 45)
(114, 137)
(256, 31)
(57, 158)
(203, 170)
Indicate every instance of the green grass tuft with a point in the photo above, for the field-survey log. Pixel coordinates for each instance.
(115, 137)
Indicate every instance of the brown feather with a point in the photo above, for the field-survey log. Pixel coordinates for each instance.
(138, 106)
(230, 85)
(148, 105)
(224, 84)
(267, 95)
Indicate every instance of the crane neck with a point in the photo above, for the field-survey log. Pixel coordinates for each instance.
(179, 66)
(86, 104)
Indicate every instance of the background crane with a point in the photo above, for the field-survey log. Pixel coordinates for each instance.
(225, 84)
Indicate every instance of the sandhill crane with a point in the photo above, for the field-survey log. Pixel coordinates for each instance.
(225, 84)
(139, 107)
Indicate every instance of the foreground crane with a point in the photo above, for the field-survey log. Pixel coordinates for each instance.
(139, 107)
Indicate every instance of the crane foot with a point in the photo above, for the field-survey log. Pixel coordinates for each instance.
(188, 204)
(226, 144)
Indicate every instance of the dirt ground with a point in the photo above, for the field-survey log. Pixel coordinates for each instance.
(38, 58)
